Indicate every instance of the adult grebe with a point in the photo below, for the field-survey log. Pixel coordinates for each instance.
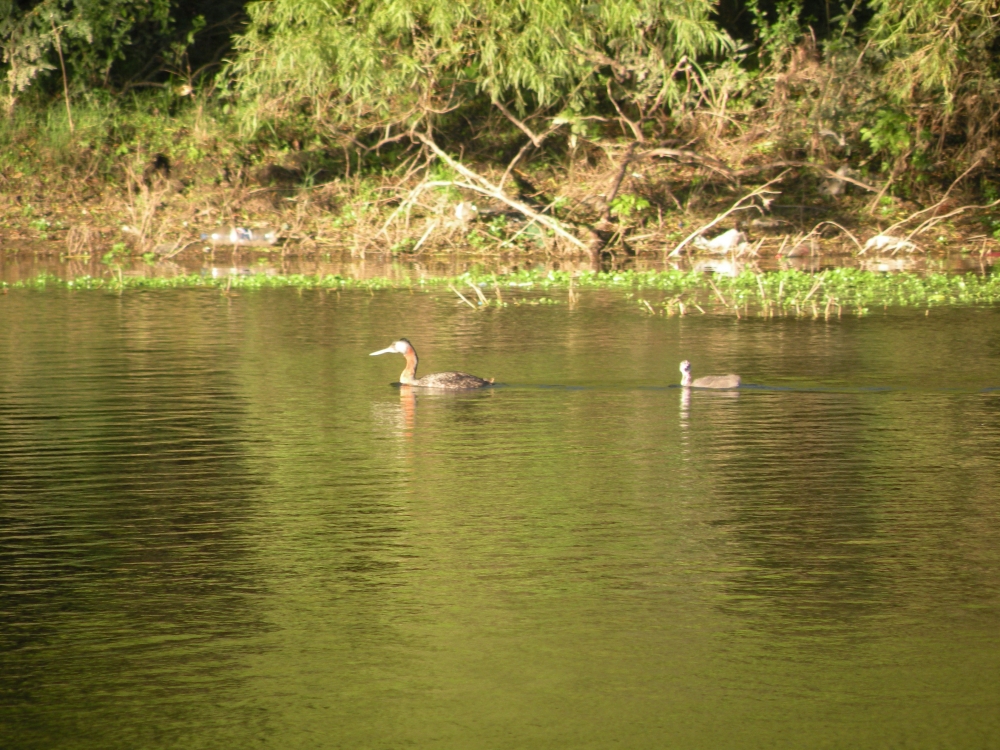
(452, 380)
(709, 381)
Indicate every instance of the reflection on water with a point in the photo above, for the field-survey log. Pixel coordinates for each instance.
(221, 526)
(223, 262)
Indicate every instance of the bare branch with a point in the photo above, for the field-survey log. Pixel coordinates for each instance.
(536, 140)
(842, 229)
(526, 148)
(735, 207)
(617, 181)
(481, 185)
(809, 165)
(937, 219)
(685, 156)
(633, 126)
(940, 203)
(382, 142)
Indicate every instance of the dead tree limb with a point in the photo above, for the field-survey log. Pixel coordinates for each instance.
(738, 206)
(818, 167)
(483, 186)
(536, 140)
(937, 205)
(526, 148)
(616, 183)
(937, 219)
(688, 157)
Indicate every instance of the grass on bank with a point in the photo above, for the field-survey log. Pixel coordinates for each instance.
(790, 292)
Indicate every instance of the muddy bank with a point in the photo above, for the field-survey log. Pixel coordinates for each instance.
(178, 217)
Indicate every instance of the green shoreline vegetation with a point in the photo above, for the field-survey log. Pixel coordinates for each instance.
(833, 292)
(602, 129)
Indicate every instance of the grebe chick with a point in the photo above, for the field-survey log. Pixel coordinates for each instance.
(709, 381)
(451, 380)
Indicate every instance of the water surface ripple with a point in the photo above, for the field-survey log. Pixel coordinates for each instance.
(221, 526)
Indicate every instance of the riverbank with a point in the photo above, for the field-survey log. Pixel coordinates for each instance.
(152, 189)
(174, 215)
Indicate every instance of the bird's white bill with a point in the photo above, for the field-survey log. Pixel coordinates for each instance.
(388, 350)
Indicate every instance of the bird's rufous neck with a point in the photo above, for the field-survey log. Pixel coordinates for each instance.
(409, 375)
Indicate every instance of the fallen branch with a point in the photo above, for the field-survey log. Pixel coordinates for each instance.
(483, 186)
(462, 296)
(842, 229)
(937, 205)
(820, 168)
(937, 219)
(735, 207)
(425, 235)
(688, 157)
(616, 183)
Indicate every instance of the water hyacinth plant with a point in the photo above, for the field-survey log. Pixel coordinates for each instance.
(830, 293)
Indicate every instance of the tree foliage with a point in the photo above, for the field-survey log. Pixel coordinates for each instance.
(91, 36)
(108, 45)
(935, 47)
(914, 83)
(389, 61)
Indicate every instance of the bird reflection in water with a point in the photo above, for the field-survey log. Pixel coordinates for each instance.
(408, 408)
(703, 393)
(402, 420)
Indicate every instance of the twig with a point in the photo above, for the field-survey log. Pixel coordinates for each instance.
(947, 192)
(518, 233)
(735, 207)
(479, 293)
(535, 140)
(685, 156)
(181, 249)
(461, 296)
(817, 285)
(404, 206)
(723, 300)
(861, 249)
(482, 185)
(633, 126)
(944, 198)
(425, 235)
(525, 149)
(386, 139)
(878, 198)
(820, 168)
(937, 219)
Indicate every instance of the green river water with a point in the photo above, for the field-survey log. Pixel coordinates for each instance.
(222, 527)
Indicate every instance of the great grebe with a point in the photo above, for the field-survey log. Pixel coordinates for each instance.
(709, 381)
(452, 380)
